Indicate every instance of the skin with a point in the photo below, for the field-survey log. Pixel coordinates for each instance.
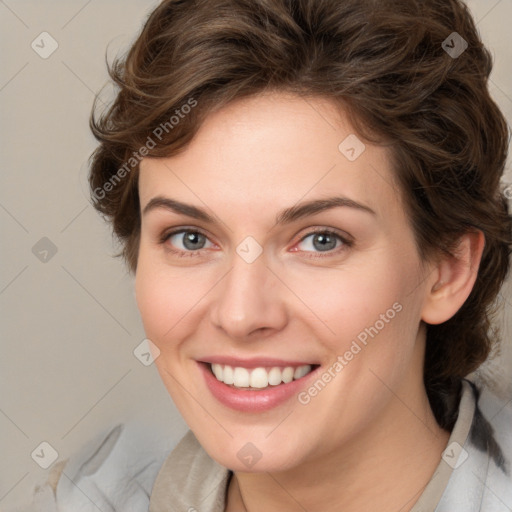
(372, 425)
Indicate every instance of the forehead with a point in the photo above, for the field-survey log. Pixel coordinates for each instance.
(274, 149)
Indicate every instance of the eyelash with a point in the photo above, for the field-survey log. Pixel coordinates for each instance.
(346, 243)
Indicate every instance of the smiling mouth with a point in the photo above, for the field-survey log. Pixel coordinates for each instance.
(258, 378)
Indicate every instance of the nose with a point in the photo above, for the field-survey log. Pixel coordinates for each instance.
(249, 301)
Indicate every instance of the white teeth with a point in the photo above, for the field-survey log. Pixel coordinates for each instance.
(258, 378)
(300, 371)
(274, 376)
(217, 371)
(228, 375)
(240, 377)
(288, 374)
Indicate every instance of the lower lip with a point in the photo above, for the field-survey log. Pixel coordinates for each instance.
(252, 401)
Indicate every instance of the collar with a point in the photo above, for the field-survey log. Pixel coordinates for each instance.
(191, 480)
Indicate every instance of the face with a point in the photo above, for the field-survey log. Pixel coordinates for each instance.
(276, 253)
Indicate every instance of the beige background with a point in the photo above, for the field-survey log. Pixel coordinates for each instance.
(70, 324)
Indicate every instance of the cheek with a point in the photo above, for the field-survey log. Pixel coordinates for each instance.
(169, 299)
(347, 301)
(157, 301)
(375, 318)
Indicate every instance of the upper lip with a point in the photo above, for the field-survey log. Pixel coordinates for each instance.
(254, 362)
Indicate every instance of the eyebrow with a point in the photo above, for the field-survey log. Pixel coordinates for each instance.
(286, 216)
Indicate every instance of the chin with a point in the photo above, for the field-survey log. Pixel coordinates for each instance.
(258, 455)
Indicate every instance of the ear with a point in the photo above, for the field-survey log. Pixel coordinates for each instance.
(453, 279)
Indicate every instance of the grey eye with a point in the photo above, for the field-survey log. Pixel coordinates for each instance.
(321, 241)
(189, 240)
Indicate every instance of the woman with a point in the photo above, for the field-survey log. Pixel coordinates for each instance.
(307, 192)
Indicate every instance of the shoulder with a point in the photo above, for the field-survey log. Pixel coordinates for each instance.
(481, 480)
(115, 470)
(491, 433)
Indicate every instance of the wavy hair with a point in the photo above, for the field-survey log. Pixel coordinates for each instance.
(389, 65)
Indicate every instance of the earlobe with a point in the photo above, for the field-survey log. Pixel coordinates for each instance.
(455, 277)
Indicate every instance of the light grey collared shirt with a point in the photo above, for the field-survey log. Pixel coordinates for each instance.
(471, 476)
(129, 469)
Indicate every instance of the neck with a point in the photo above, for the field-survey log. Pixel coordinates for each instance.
(385, 467)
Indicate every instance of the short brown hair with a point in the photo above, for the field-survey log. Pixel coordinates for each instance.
(387, 64)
